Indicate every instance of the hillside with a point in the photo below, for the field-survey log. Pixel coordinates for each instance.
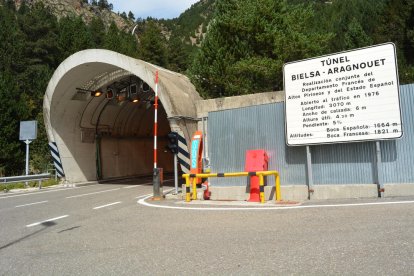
(65, 8)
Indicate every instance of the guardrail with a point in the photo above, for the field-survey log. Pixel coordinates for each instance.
(261, 175)
(26, 178)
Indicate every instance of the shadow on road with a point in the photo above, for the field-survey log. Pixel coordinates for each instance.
(45, 224)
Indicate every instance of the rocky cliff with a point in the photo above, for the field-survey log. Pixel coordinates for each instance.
(63, 8)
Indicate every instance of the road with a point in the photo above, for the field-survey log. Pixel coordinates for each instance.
(102, 230)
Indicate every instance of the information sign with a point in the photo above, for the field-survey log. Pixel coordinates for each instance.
(28, 130)
(343, 97)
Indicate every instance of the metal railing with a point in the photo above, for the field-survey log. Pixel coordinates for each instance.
(261, 175)
(26, 178)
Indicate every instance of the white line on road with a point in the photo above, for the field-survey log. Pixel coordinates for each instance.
(106, 205)
(94, 193)
(134, 186)
(36, 193)
(149, 195)
(34, 203)
(48, 220)
(143, 202)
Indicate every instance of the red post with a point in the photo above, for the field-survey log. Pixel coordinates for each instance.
(256, 160)
(155, 119)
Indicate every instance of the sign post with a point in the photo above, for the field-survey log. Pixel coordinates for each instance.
(28, 132)
(351, 96)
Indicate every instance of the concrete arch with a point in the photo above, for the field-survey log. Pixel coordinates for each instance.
(82, 125)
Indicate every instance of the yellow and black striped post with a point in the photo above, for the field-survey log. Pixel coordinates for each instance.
(261, 183)
(187, 188)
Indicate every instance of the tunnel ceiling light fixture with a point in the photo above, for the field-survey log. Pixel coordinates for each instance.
(96, 93)
(133, 93)
(109, 94)
(81, 93)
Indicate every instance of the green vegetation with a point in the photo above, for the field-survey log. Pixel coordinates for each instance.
(21, 185)
(248, 41)
(32, 44)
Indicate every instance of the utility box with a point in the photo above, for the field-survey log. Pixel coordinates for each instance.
(256, 160)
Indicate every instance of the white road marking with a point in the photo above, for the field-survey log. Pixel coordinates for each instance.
(48, 220)
(149, 195)
(103, 206)
(36, 193)
(34, 203)
(143, 202)
(134, 186)
(94, 193)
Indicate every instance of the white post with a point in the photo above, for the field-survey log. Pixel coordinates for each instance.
(27, 159)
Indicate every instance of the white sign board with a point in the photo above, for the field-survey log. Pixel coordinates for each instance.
(28, 130)
(344, 97)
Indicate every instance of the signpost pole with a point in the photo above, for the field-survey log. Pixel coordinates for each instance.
(309, 171)
(27, 159)
(175, 174)
(380, 183)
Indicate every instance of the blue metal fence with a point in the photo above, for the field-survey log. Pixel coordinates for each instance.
(232, 132)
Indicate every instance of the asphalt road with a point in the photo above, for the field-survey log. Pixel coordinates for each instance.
(102, 230)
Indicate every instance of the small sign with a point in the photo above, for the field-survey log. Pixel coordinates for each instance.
(28, 130)
(344, 97)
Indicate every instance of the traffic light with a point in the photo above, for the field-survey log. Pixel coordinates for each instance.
(173, 142)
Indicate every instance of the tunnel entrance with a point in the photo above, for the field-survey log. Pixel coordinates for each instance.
(120, 114)
(99, 116)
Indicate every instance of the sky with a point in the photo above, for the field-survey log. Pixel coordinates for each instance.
(166, 9)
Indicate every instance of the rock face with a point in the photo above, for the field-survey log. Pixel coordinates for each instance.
(63, 8)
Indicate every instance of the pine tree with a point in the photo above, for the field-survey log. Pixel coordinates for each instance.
(247, 44)
(152, 47)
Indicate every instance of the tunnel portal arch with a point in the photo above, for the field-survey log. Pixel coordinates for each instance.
(96, 137)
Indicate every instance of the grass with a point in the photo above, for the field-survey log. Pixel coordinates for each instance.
(21, 185)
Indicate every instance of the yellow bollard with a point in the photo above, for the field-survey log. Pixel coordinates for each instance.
(195, 188)
(261, 183)
(277, 188)
(187, 189)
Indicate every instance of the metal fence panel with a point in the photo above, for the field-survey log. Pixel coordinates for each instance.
(232, 132)
(398, 155)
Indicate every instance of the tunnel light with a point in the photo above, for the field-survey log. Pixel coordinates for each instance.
(96, 93)
(133, 93)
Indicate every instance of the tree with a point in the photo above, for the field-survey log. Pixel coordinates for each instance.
(74, 36)
(41, 56)
(356, 37)
(97, 31)
(131, 16)
(152, 46)
(177, 55)
(248, 42)
(103, 4)
(397, 25)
